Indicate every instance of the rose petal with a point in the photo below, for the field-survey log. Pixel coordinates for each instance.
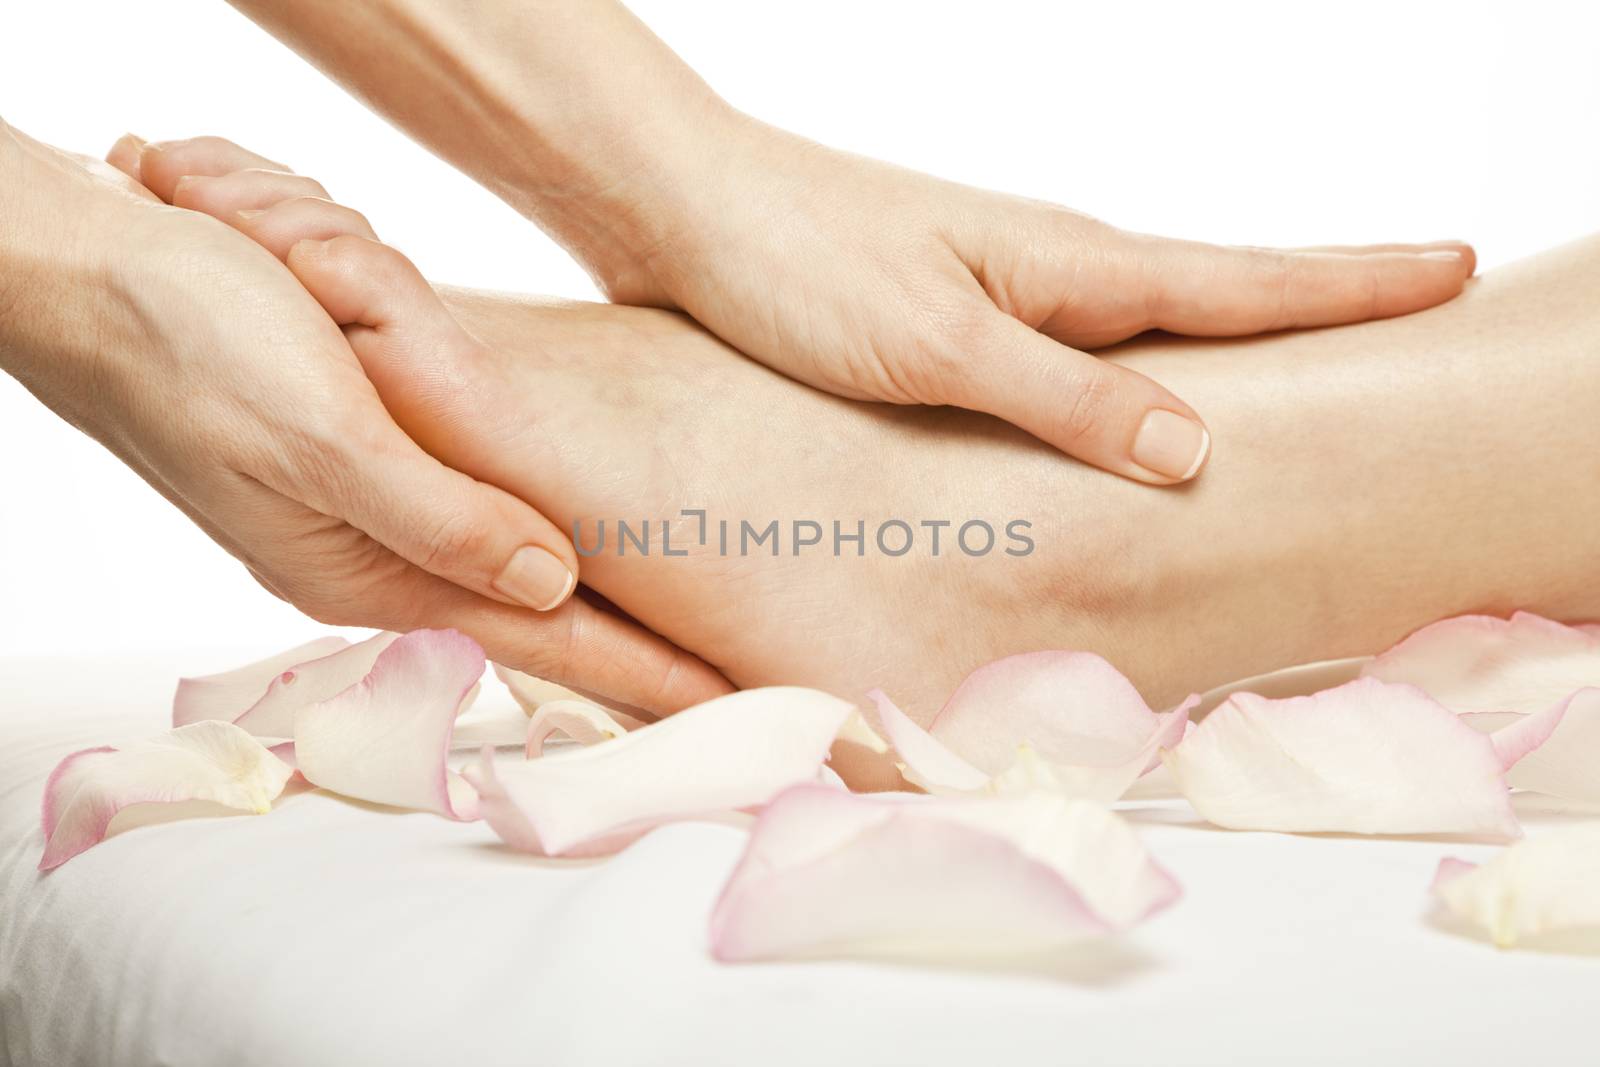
(1074, 708)
(925, 760)
(1567, 762)
(228, 695)
(732, 752)
(900, 876)
(311, 682)
(1481, 663)
(1094, 762)
(1539, 885)
(385, 738)
(533, 693)
(1365, 757)
(1516, 740)
(207, 760)
(578, 720)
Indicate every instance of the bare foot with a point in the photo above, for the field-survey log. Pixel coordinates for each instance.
(1302, 541)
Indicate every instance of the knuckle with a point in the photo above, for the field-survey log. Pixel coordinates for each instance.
(355, 257)
(949, 342)
(553, 648)
(455, 543)
(1092, 397)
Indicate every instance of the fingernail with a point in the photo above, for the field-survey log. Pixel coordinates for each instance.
(250, 213)
(1171, 445)
(535, 578)
(138, 142)
(1442, 254)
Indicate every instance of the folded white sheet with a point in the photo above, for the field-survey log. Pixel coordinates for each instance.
(329, 932)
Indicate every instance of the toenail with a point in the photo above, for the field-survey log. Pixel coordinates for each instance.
(535, 578)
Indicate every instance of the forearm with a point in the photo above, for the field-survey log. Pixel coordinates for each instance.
(568, 109)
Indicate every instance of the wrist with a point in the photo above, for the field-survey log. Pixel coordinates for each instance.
(617, 183)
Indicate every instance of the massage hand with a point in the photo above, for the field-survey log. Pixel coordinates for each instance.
(879, 283)
(855, 277)
(197, 358)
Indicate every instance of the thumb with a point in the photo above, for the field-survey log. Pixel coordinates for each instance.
(1106, 415)
(477, 536)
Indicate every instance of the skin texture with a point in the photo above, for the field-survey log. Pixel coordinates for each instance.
(858, 278)
(194, 356)
(1377, 477)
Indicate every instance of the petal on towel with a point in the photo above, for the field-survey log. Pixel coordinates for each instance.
(311, 682)
(736, 751)
(1540, 885)
(207, 760)
(1074, 708)
(1567, 763)
(1522, 734)
(1481, 663)
(230, 694)
(532, 693)
(1366, 757)
(578, 720)
(924, 759)
(898, 876)
(385, 738)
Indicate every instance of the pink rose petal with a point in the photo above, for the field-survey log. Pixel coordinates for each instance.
(729, 753)
(898, 876)
(1074, 708)
(1541, 885)
(578, 720)
(1365, 757)
(385, 739)
(927, 762)
(228, 695)
(1567, 762)
(311, 682)
(1481, 663)
(206, 760)
(532, 693)
(1088, 732)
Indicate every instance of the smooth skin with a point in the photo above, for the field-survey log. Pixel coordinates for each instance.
(862, 279)
(1379, 477)
(193, 355)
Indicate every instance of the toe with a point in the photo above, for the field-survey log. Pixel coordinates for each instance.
(162, 163)
(252, 189)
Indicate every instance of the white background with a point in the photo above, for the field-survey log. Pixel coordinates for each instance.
(1261, 122)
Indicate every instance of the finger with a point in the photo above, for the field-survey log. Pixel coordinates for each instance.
(162, 163)
(124, 155)
(342, 578)
(476, 535)
(241, 190)
(1099, 412)
(591, 651)
(1463, 247)
(305, 218)
(1213, 291)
